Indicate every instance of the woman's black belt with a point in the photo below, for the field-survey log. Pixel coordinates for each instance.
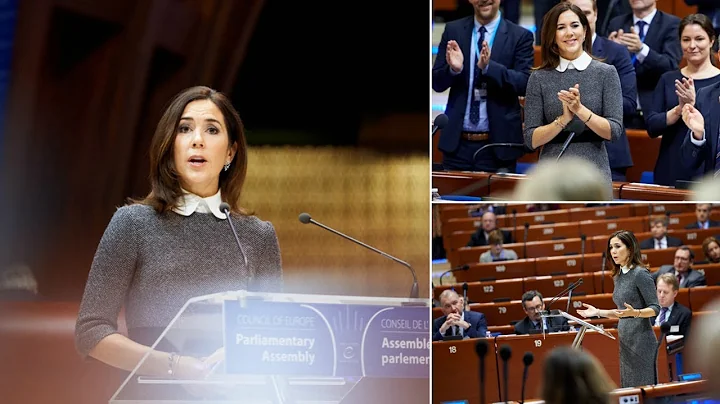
(580, 137)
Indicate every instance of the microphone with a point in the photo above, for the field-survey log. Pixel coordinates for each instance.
(606, 20)
(439, 123)
(525, 237)
(573, 127)
(528, 359)
(582, 252)
(225, 208)
(521, 145)
(578, 283)
(514, 213)
(505, 353)
(559, 295)
(460, 268)
(465, 300)
(305, 219)
(481, 349)
(602, 274)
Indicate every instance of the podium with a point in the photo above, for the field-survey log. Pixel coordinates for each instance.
(584, 326)
(291, 348)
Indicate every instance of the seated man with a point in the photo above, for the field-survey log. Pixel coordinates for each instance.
(671, 312)
(660, 240)
(496, 251)
(489, 223)
(456, 321)
(702, 213)
(682, 269)
(533, 306)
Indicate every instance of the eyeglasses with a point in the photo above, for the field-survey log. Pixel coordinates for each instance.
(534, 309)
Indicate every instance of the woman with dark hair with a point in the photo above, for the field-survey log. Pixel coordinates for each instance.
(635, 291)
(572, 376)
(176, 243)
(674, 90)
(554, 107)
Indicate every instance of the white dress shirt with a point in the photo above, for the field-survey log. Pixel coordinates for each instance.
(645, 50)
(661, 244)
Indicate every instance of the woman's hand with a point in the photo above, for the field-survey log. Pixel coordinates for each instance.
(694, 120)
(628, 312)
(685, 91)
(572, 98)
(590, 311)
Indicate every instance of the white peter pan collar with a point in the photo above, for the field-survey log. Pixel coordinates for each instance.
(581, 63)
(190, 203)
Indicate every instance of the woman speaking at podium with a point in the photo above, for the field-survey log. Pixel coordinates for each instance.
(177, 243)
(635, 291)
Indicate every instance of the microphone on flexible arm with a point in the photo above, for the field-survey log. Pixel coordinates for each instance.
(525, 237)
(481, 348)
(225, 208)
(439, 123)
(305, 218)
(505, 354)
(460, 268)
(514, 213)
(528, 359)
(520, 145)
(575, 126)
(578, 283)
(606, 20)
(465, 300)
(582, 252)
(559, 295)
(602, 273)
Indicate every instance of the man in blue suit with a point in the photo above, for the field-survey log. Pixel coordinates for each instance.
(485, 61)
(652, 38)
(618, 56)
(701, 145)
(456, 321)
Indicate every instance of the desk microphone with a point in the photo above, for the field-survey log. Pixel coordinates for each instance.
(439, 123)
(505, 354)
(559, 295)
(573, 127)
(305, 219)
(602, 274)
(528, 359)
(518, 145)
(225, 208)
(582, 252)
(460, 268)
(465, 300)
(481, 349)
(525, 237)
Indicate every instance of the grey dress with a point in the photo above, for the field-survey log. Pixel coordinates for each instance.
(600, 92)
(638, 344)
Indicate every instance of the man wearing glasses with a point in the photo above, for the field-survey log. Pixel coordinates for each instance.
(533, 323)
(682, 268)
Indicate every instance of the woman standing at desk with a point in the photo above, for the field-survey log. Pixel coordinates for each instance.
(634, 287)
(176, 243)
(554, 107)
(674, 90)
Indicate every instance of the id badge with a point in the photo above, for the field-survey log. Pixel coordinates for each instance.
(480, 93)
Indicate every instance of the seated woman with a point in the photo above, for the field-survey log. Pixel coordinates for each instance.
(677, 88)
(711, 248)
(496, 251)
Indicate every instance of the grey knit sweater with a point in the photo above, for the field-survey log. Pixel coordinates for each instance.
(153, 263)
(599, 92)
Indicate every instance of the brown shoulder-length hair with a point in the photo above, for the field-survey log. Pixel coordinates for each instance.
(628, 238)
(706, 245)
(573, 376)
(164, 180)
(549, 52)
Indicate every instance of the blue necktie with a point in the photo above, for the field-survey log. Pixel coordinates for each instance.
(641, 28)
(717, 154)
(475, 103)
(663, 313)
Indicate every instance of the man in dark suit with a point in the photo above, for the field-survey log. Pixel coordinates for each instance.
(485, 61)
(702, 213)
(652, 38)
(618, 56)
(489, 223)
(456, 321)
(533, 306)
(682, 269)
(711, 8)
(660, 240)
(675, 314)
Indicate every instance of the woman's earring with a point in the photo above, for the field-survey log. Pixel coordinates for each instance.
(227, 166)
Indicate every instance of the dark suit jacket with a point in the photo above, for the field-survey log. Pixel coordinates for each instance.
(695, 225)
(665, 52)
(680, 316)
(649, 244)
(707, 7)
(692, 279)
(511, 58)
(618, 56)
(478, 326)
(555, 324)
(478, 239)
(694, 156)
